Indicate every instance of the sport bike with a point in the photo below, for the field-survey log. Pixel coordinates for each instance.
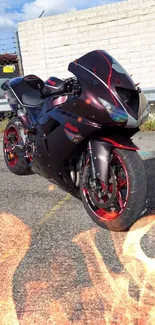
(77, 133)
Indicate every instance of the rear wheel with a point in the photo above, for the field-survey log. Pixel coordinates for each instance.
(16, 163)
(117, 208)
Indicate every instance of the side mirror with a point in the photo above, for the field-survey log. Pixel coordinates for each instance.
(5, 85)
(34, 82)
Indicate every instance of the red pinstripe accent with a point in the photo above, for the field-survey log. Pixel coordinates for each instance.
(118, 145)
(109, 78)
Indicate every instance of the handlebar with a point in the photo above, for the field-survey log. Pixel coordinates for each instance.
(52, 93)
(57, 92)
(71, 87)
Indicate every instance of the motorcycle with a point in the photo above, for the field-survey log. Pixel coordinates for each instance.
(77, 133)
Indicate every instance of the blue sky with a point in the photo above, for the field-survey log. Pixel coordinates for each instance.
(14, 11)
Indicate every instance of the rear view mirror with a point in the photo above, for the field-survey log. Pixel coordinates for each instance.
(34, 82)
(5, 85)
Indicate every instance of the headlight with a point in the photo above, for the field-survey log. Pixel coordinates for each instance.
(116, 113)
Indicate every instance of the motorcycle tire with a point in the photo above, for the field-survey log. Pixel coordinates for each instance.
(135, 186)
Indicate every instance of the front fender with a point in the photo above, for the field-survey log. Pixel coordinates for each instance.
(120, 142)
(101, 152)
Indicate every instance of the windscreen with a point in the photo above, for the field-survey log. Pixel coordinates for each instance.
(106, 68)
(103, 80)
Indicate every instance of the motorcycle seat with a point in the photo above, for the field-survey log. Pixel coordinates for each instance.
(32, 98)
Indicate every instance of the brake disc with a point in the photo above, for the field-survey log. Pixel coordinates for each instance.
(102, 204)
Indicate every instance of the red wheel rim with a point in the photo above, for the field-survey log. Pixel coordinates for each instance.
(11, 138)
(122, 185)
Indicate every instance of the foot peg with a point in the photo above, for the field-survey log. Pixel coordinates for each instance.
(30, 131)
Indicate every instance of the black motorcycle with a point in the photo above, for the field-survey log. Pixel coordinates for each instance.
(77, 133)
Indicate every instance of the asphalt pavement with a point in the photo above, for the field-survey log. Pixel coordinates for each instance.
(58, 268)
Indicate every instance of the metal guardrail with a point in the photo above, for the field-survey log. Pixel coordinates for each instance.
(10, 66)
(150, 94)
(4, 107)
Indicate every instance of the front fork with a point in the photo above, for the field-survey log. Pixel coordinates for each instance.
(92, 166)
(99, 155)
(96, 164)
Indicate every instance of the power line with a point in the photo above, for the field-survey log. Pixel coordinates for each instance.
(42, 13)
(7, 39)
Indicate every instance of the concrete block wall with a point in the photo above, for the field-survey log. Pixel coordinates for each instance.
(124, 29)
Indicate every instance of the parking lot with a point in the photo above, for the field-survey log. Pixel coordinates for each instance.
(58, 268)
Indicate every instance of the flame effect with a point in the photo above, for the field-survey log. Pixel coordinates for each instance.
(51, 187)
(106, 302)
(14, 243)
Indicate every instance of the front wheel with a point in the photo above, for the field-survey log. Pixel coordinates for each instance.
(122, 203)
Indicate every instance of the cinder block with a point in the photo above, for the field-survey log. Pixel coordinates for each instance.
(124, 29)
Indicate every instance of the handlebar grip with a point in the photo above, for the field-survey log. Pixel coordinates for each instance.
(52, 93)
(58, 92)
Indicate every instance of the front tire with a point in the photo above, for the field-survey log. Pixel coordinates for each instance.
(16, 163)
(127, 193)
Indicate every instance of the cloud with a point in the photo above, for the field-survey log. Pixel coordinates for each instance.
(9, 24)
(32, 9)
(52, 7)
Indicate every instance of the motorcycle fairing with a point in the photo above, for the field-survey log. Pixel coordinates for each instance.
(104, 79)
(60, 136)
(59, 127)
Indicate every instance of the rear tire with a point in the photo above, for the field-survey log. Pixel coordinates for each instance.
(19, 165)
(137, 193)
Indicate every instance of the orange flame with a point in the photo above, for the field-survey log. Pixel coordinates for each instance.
(106, 302)
(14, 243)
(51, 187)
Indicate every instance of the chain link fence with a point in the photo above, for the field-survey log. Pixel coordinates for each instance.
(10, 66)
(10, 56)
